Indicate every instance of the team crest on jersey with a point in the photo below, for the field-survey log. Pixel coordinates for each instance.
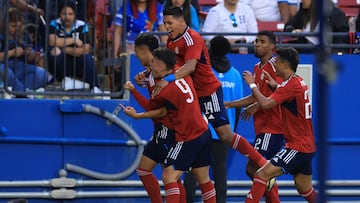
(176, 50)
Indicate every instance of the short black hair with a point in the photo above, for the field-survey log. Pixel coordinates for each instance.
(149, 40)
(167, 56)
(269, 34)
(67, 3)
(290, 55)
(219, 46)
(173, 11)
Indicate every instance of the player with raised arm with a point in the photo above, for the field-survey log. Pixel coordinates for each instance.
(163, 137)
(267, 123)
(296, 156)
(178, 100)
(193, 59)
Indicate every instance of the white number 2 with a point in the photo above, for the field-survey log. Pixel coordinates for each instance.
(307, 106)
(185, 88)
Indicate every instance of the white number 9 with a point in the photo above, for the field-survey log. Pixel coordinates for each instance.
(185, 88)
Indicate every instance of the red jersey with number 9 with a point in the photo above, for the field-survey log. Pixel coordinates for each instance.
(180, 99)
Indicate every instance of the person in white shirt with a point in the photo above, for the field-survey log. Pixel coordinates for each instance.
(233, 17)
(269, 10)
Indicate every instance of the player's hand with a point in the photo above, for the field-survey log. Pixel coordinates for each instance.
(227, 105)
(129, 86)
(140, 78)
(159, 86)
(249, 111)
(269, 80)
(248, 77)
(130, 111)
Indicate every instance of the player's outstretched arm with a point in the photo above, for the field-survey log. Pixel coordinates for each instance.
(157, 113)
(245, 101)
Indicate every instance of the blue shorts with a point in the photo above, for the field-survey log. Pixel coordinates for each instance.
(268, 144)
(192, 154)
(161, 141)
(293, 162)
(214, 109)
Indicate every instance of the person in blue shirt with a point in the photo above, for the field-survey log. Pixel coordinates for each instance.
(20, 55)
(69, 52)
(141, 16)
(12, 81)
(231, 81)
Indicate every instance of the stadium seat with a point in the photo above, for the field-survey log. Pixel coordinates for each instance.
(350, 11)
(274, 26)
(351, 8)
(347, 3)
(205, 5)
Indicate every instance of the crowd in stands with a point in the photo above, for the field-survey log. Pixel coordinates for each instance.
(75, 35)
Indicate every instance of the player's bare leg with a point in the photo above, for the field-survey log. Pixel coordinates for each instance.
(303, 184)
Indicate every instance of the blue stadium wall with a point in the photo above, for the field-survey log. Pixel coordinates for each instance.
(37, 139)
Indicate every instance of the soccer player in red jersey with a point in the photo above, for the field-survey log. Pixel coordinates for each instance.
(193, 59)
(295, 158)
(192, 151)
(163, 137)
(267, 123)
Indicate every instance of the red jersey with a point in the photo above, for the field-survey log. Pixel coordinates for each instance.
(148, 104)
(296, 111)
(269, 120)
(181, 101)
(190, 45)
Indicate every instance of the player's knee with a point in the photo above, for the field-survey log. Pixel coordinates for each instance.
(251, 169)
(261, 173)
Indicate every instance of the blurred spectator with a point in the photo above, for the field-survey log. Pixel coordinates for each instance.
(306, 21)
(142, 16)
(232, 87)
(357, 23)
(21, 57)
(22, 6)
(293, 8)
(269, 10)
(232, 17)
(12, 81)
(114, 7)
(190, 14)
(194, 3)
(69, 51)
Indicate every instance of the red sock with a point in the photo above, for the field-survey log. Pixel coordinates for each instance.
(208, 192)
(244, 147)
(272, 196)
(151, 185)
(257, 190)
(310, 196)
(172, 192)
(182, 192)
